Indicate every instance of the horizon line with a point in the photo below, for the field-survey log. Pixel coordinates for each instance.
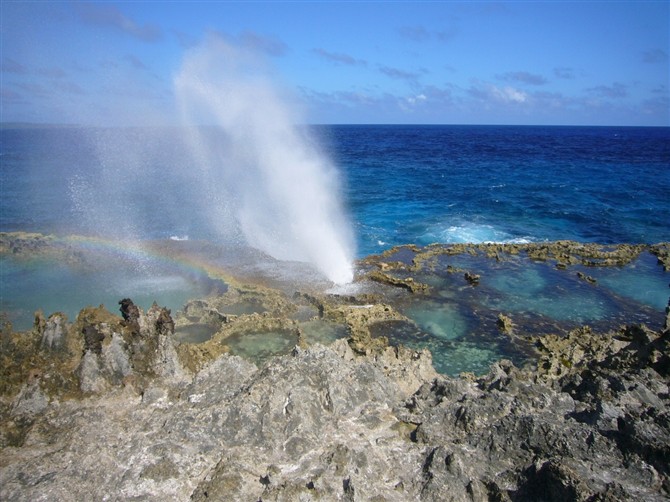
(56, 125)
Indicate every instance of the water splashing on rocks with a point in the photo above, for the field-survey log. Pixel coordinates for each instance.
(257, 166)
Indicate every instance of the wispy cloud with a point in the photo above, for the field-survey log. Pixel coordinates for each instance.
(11, 66)
(135, 92)
(437, 104)
(655, 56)
(346, 99)
(135, 62)
(447, 34)
(564, 72)
(509, 94)
(614, 91)
(10, 96)
(398, 73)
(492, 93)
(418, 98)
(35, 90)
(108, 64)
(70, 88)
(252, 41)
(523, 77)
(414, 33)
(339, 58)
(52, 72)
(110, 16)
(427, 104)
(430, 102)
(420, 34)
(268, 45)
(185, 40)
(657, 105)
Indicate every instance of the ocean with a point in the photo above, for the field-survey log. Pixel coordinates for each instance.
(425, 184)
(399, 184)
(403, 184)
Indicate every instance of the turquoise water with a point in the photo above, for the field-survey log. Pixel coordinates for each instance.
(54, 286)
(323, 332)
(451, 355)
(640, 281)
(260, 347)
(442, 321)
(403, 184)
(457, 321)
(552, 293)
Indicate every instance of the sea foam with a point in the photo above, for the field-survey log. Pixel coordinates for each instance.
(467, 232)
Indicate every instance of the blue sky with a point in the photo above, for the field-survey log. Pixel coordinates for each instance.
(114, 63)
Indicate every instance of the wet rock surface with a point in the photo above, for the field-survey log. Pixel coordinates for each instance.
(126, 406)
(125, 417)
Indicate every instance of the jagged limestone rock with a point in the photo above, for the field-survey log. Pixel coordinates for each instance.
(53, 330)
(589, 423)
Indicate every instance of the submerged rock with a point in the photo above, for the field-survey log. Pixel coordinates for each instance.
(472, 279)
(586, 278)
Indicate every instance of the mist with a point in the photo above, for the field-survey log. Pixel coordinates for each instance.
(261, 173)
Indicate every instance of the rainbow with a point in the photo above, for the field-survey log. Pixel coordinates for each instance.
(165, 253)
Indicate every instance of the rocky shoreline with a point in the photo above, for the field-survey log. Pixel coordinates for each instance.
(118, 407)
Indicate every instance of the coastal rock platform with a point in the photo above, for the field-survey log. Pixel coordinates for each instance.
(118, 407)
(117, 416)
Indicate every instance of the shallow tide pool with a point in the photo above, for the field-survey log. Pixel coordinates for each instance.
(456, 319)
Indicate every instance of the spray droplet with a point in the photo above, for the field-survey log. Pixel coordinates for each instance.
(282, 191)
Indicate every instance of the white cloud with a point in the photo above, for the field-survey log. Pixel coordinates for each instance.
(419, 98)
(492, 93)
(510, 94)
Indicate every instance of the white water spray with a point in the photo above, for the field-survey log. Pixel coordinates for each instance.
(256, 164)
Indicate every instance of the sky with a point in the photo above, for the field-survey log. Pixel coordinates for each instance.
(351, 62)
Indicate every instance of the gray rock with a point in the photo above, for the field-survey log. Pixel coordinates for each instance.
(30, 402)
(591, 422)
(90, 371)
(115, 359)
(53, 334)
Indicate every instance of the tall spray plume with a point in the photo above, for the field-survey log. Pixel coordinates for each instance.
(258, 165)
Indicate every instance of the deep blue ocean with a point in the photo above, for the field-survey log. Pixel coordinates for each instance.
(425, 184)
(400, 184)
(403, 184)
